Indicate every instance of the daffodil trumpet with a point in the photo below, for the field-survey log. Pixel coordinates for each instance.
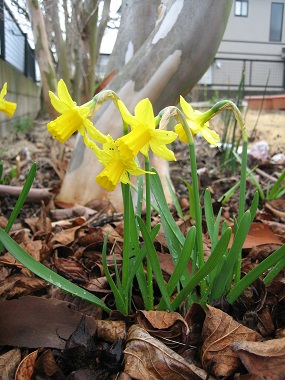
(6, 107)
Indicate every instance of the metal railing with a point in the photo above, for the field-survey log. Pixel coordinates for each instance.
(14, 45)
(227, 72)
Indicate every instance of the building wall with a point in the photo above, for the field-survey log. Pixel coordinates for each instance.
(22, 91)
(249, 36)
(246, 46)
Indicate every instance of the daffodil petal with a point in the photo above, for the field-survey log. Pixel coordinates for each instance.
(3, 91)
(163, 137)
(144, 113)
(58, 105)
(211, 136)
(127, 116)
(163, 152)
(187, 108)
(125, 178)
(93, 132)
(64, 95)
(181, 133)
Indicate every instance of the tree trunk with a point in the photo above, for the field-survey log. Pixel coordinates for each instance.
(48, 77)
(172, 59)
(61, 47)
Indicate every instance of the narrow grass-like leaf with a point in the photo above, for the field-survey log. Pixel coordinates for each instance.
(209, 213)
(206, 269)
(158, 193)
(135, 248)
(183, 260)
(1, 170)
(140, 195)
(276, 188)
(174, 199)
(24, 193)
(137, 268)
(221, 282)
(226, 196)
(274, 271)
(120, 303)
(45, 273)
(191, 198)
(250, 277)
(152, 255)
(254, 206)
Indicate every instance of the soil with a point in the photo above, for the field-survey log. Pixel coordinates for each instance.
(69, 241)
(265, 126)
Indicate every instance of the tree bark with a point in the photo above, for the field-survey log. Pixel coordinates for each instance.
(172, 59)
(61, 47)
(48, 77)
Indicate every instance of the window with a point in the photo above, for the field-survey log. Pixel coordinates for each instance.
(241, 8)
(276, 22)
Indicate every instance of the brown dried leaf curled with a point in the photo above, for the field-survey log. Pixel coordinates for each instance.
(265, 359)
(170, 328)
(146, 358)
(219, 333)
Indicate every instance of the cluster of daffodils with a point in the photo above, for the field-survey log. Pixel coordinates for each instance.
(118, 157)
(7, 107)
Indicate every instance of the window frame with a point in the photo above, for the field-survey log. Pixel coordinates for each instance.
(271, 38)
(241, 3)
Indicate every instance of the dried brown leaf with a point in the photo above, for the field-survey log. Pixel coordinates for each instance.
(276, 207)
(70, 268)
(195, 318)
(46, 364)
(259, 234)
(219, 332)
(110, 331)
(170, 328)
(265, 359)
(9, 363)
(18, 285)
(27, 366)
(38, 322)
(146, 358)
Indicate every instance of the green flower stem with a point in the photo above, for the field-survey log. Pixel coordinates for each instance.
(98, 100)
(126, 245)
(217, 108)
(148, 226)
(198, 211)
(242, 193)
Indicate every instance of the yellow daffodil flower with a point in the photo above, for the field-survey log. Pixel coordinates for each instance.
(73, 118)
(7, 107)
(197, 124)
(116, 166)
(143, 134)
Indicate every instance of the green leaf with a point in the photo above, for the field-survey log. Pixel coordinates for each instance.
(250, 277)
(1, 170)
(45, 273)
(152, 255)
(227, 271)
(166, 216)
(21, 200)
(118, 295)
(277, 187)
(174, 199)
(254, 206)
(206, 269)
(179, 270)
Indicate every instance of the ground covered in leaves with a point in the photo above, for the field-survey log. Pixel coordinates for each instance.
(46, 334)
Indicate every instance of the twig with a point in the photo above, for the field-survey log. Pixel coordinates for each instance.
(35, 195)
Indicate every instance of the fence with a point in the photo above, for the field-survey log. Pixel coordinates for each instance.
(227, 72)
(14, 46)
